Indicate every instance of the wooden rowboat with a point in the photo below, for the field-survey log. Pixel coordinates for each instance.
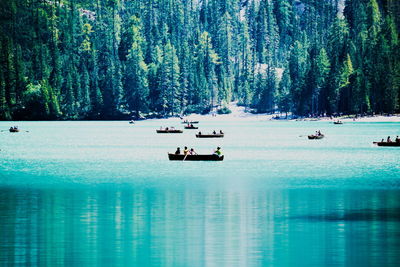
(169, 131)
(314, 137)
(387, 143)
(181, 157)
(209, 135)
(14, 130)
(191, 127)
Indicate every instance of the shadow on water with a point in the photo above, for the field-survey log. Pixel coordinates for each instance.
(364, 215)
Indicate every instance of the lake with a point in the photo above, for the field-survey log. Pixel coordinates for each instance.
(105, 194)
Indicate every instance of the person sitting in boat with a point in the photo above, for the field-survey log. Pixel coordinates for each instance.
(178, 151)
(221, 132)
(218, 152)
(388, 140)
(11, 128)
(192, 152)
(191, 125)
(319, 133)
(199, 133)
(166, 128)
(214, 132)
(397, 139)
(185, 151)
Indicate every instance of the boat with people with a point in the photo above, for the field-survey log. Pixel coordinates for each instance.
(191, 127)
(196, 157)
(14, 129)
(209, 135)
(212, 135)
(387, 143)
(314, 136)
(317, 135)
(190, 122)
(337, 122)
(169, 130)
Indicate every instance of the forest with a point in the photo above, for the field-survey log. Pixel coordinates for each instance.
(118, 59)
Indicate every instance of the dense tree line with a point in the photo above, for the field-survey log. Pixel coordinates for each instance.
(109, 59)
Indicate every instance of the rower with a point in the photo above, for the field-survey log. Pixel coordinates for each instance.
(218, 152)
(192, 152)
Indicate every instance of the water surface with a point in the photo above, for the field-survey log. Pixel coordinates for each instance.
(105, 194)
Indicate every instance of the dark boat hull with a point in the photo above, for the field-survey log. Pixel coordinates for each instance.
(338, 122)
(315, 137)
(169, 131)
(190, 122)
(387, 144)
(209, 135)
(14, 130)
(191, 127)
(181, 157)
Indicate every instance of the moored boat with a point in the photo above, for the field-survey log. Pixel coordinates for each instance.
(209, 135)
(387, 143)
(312, 137)
(181, 157)
(169, 131)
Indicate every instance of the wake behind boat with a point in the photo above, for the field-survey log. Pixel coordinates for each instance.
(198, 157)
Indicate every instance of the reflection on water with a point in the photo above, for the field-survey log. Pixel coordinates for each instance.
(132, 227)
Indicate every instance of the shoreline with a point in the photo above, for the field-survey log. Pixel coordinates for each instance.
(238, 113)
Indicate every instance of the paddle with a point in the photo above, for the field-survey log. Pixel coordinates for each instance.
(185, 157)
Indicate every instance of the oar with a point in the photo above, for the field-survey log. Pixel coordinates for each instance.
(9, 130)
(185, 157)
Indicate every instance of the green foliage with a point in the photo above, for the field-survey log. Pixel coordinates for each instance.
(79, 59)
(40, 101)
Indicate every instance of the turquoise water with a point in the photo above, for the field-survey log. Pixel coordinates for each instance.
(105, 194)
